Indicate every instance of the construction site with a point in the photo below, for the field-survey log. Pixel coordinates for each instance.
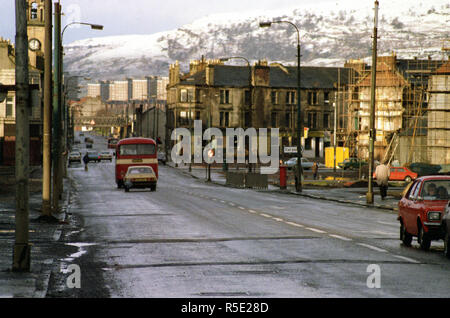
(412, 110)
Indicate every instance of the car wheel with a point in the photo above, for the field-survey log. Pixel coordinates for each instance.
(423, 240)
(405, 237)
(447, 245)
(153, 188)
(408, 179)
(127, 189)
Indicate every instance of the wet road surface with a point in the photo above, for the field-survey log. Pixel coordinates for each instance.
(194, 239)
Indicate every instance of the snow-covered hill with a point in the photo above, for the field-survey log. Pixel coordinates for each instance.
(329, 36)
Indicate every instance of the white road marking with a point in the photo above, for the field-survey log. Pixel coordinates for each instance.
(230, 203)
(406, 259)
(294, 224)
(242, 208)
(315, 230)
(278, 219)
(252, 211)
(340, 237)
(372, 247)
(265, 215)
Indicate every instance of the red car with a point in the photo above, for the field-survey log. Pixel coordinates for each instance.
(401, 174)
(421, 208)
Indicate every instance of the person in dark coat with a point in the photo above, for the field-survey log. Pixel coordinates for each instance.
(86, 161)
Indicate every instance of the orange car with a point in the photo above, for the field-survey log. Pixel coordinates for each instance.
(401, 174)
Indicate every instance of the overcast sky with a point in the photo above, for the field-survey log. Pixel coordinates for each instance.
(140, 16)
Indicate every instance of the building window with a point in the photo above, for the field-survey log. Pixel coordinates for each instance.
(248, 98)
(326, 98)
(186, 95)
(224, 96)
(290, 98)
(247, 120)
(274, 119)
(224, 119)
(9, 107)
(183, 95)
(274, 97)
(312, 98)
(34, 11)
(287, 119)
(312, 120)
(326, 120)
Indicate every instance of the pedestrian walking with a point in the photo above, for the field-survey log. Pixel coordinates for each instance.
(382, 174)
(86, 161)
(315, 170)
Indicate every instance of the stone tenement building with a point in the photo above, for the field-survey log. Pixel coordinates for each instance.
(35, 29)
(264, 97)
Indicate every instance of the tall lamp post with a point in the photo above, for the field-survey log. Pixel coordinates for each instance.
(59, 112)
(298, 184)
(93, 27)
(250, 92)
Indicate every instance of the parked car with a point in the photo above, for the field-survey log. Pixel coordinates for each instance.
(421, 208)
(351, 163)
(93, 156)
(140, 177)
(401, 174)
(74, 156)
(446, 229)
(162, 157)
(424, 169)
(105, 155)
(306, 164)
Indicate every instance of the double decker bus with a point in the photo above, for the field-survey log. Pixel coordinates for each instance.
(135, 152)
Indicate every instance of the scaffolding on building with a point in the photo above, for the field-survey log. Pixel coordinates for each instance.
(412, 110)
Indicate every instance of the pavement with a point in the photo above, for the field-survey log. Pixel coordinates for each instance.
(349, 192)
(43, 237)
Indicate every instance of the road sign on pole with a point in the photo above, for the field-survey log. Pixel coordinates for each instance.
(290, 149)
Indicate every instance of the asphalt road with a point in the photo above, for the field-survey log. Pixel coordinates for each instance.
(194, 239)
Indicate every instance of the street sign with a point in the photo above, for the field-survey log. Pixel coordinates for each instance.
(290, 149)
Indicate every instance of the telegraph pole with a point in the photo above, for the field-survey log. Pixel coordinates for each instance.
(372, 136)
(57, 111)
(22, 248)
(46, 158)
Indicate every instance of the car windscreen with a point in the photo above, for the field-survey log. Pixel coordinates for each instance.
(140, 170)
(436, 190)
(137, 149)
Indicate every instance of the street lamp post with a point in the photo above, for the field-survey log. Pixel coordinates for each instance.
(298, 184)
(250, 92)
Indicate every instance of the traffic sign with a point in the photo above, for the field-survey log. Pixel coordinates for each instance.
(290, 149)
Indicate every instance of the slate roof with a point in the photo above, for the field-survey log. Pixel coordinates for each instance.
(238, 76)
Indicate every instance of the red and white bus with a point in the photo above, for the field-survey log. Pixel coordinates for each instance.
(135, 152)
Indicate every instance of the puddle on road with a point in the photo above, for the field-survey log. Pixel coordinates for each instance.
(81, 251)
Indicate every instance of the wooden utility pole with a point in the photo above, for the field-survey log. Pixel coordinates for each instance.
(22, 248)
(372, 136)
(46, 160)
